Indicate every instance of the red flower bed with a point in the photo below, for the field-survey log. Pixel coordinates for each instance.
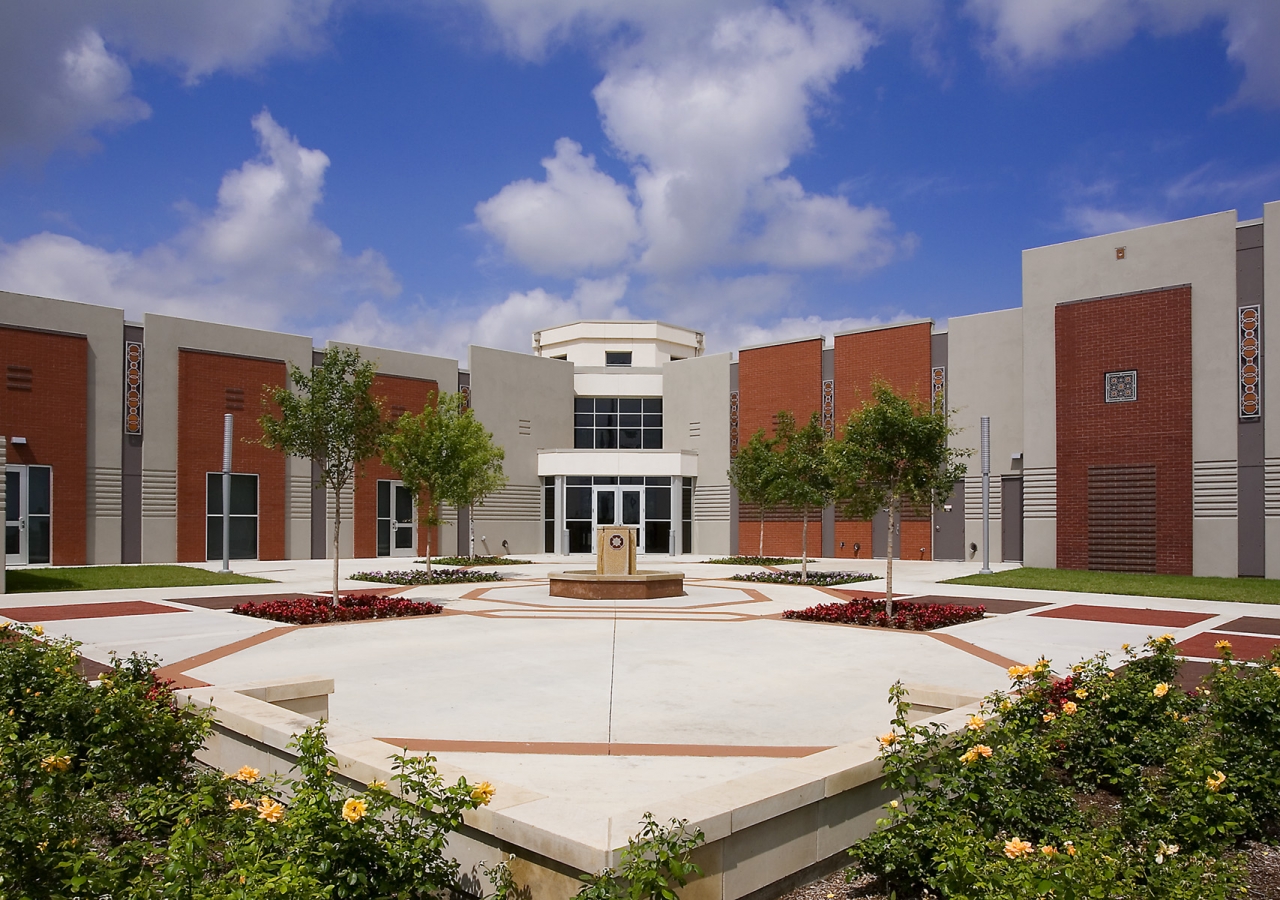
(906, 615)
(310, 610)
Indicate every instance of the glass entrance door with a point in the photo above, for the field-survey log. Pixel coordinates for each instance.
(28, 514)
(397, 525)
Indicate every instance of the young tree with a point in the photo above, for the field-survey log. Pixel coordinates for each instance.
(329, 417)
(428, 450)
(894, 451)
(471, 464)
(803, 473)
(753, 474)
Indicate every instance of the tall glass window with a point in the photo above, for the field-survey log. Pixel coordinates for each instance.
(613, 423)
(686, 530)
(549, 514)
(578, 515)
(244, 516)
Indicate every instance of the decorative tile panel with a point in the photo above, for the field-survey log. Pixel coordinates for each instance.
(938, 387)
(1250, 362)
(132, 387)
(829, 407)
(1122, 387)
(465, 391)
(733, 423)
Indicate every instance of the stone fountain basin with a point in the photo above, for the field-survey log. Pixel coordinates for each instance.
(588, 585)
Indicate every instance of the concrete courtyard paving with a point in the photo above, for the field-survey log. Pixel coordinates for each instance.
(608, 707)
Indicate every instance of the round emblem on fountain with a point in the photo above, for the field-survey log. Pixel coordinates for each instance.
(616, 542)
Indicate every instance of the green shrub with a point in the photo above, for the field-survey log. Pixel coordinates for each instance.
(656, 862)
(1100, 784)
(100, 797)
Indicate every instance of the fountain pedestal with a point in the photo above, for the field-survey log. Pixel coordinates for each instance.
(615, 576)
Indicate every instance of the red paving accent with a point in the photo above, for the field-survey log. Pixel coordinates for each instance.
(972, 649)
(86, 611)
(175, 670)
(1160, 618)
(1242, 646)
(565, 748)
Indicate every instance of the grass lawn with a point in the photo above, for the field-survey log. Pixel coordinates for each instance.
(98, 578)
(1238, 590)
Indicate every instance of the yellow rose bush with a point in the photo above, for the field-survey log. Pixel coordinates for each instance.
(1008, 809)
(100, 796)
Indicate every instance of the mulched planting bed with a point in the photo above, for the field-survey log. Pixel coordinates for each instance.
(437, 576)
(753, 561)
(907, 616)
(819, 579)
(313, 610)
(477, 561)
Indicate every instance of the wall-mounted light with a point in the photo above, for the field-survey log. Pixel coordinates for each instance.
(17, 440)
(946, 507)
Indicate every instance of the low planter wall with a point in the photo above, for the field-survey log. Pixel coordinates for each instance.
(765, 831)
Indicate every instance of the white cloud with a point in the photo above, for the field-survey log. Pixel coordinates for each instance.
(506, 325)
(578, 219)
(709, 119)
(65, 65)
(1023, 34)
(260, 258)
(1090, 220)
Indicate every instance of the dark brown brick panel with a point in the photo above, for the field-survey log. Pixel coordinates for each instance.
(1149, 332)
(210, 385)
(399, 395)
(45, 400)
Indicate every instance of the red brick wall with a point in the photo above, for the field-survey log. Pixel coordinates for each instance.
(772, 379)
(204, 380)
(399, 395)
(53, 417)
(902, 356)
(1151, 333)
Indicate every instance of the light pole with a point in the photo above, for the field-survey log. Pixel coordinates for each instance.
(226, 492)
(986, 496)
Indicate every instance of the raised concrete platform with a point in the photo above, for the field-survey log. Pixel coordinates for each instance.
(588, 585)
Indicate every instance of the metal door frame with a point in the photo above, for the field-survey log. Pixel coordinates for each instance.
(20, 558)
(394, 523)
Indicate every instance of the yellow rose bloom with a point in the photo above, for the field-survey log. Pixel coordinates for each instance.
(1275, 670)
(977, 723)
(1222, 645)
(1161, 689)
(974, 752)
(1016, 848)
(889, 739)
(1071, 848)
(483, 793)
(270, 810)
(378, 785)
(1016, 672)
(1125, 646)
(246, 774)
(1049, 716)
(1111, 674)
(1042, 663)
(38, 629)
(1081, 693)
(56, 763)
(354, 809)
(1049, 850)
(1215, 781)
(241, 804)
(1069, 708)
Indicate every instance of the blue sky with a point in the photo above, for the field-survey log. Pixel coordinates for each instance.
(431, 173)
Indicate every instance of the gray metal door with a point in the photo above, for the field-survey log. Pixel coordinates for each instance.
(1010, 518)
(948, 526)
(879, 538)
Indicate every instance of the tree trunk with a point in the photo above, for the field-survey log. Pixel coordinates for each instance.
(761, 556)
(337, 531)
(428, 532)
(888, 566)
(804, 546)
(471, 531)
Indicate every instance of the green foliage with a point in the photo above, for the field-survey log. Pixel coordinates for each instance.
(656, 862)
(444, 454)
(1104, 784)
(330, 417)
(894, 451)
(481, 561)
(803, 477)
(99, 797)
(752, 561)
(754, 474)
(1142, 584)
(101, 578)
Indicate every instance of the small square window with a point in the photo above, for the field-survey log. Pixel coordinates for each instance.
(617, 358)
